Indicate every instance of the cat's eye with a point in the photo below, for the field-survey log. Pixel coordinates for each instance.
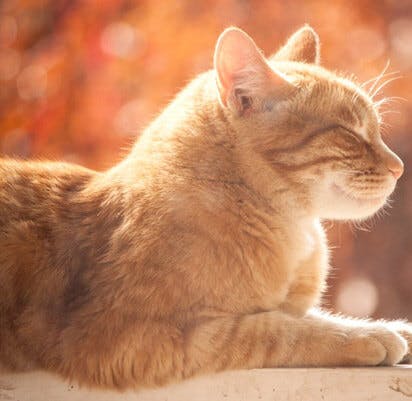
(350, 132)
(246, 102)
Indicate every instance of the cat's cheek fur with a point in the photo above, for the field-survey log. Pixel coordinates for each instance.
(339, 208)
(331, 201)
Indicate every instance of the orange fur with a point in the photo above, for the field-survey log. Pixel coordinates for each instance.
(203, 249)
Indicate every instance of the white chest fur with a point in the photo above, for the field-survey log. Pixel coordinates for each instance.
(305, 239)
(308, 268)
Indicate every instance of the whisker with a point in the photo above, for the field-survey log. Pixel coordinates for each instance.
(388, 100)
(399, 98)
(382, 113)
(362, 225)
(383, 103)
(379, 77)
(381, 86)
(384, 129)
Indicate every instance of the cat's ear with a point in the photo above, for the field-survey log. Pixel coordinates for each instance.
(243, 74)
(302, 46)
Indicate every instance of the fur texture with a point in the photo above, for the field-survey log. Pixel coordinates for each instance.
(203, 250)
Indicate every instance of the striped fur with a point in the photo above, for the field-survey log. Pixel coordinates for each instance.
(202, 250)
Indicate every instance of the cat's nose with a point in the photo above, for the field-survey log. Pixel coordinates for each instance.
(391, 160)
(395, 166)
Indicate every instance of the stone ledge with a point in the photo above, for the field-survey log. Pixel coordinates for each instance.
(338, 384)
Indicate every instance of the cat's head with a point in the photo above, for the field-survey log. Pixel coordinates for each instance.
(320, 130)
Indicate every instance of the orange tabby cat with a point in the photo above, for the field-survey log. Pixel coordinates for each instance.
(203, 250)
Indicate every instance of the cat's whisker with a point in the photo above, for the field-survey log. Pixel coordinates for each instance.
(385, 126)
(384, 102)
(362, 225)
(394, 74)
(378, 78)
(383, 211)
(391, 99)
(398, 98)
(381, 86)
(385, 112)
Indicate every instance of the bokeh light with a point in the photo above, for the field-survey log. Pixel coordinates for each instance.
(357, 297)
(400, 34)
(9, 64)
(32, 83)
(119, 39)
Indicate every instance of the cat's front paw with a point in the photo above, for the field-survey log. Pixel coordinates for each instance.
(405, 330)
(375, 346)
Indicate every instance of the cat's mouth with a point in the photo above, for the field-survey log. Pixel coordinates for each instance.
(370, 200)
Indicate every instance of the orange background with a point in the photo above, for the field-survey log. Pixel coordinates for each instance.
(80, 79)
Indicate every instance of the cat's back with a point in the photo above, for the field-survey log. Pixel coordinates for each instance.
(29, 189)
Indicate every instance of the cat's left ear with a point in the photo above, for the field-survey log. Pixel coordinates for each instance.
(302, 46)
(244, 77)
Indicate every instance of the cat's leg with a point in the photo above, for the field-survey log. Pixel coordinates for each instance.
(404, 328)
(275, 339)
(159, 353)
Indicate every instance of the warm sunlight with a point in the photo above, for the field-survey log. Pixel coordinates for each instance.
(211, 198)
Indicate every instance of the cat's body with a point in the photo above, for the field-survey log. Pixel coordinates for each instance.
(201, 251)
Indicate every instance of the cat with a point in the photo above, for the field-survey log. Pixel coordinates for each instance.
(203, 250)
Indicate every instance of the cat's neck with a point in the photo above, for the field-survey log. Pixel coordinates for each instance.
(193, 139)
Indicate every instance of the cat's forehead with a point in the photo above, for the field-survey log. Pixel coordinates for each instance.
(361, 112)
(314, 76)
(332, 95)
(311, 73)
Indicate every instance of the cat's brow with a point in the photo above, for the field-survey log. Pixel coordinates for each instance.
(312, 163)
(308, 139)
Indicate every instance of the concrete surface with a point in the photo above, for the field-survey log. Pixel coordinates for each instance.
(340, 384)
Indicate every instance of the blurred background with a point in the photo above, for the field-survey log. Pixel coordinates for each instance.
(79, 79)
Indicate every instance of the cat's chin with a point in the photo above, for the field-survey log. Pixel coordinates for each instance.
(341, 205)
(371, 201)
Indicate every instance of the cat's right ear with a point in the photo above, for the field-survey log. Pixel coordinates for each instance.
(303, 46)
(242, 72)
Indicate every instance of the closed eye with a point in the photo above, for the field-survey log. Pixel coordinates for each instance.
(350, 132)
